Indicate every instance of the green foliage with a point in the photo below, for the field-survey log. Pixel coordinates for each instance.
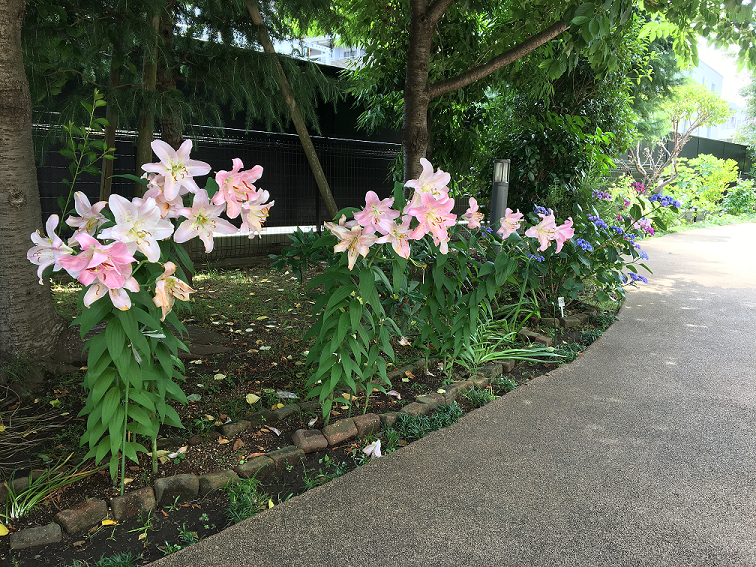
(20, 500)
(303, 252)
(502, 385)
(741, 199)
(245, 499)
(411, 427)
(570, 351)
(83, 151)
(702, 181)
(478, 397)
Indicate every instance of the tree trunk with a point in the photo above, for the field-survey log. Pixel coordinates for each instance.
(296, 117)
(29, 324)
(416, 94)
(170, 121)
(111, 115)
(146, 127)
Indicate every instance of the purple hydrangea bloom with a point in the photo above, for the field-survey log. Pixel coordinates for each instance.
(543, 211)
(597, 221)
(536, 257)
(636, 278)
(643, 255)
(585, 245)
(601, 195)
(618, 229)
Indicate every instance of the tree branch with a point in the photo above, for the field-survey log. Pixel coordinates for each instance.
(436, 11)
(470, 76)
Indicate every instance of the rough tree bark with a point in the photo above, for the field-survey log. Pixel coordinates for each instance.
(29, 324)
(296, 116)
(146, 126)
(418, 92)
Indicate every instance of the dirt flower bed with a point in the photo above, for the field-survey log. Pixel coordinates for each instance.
(248, 359)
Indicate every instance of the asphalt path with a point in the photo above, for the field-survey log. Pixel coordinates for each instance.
(641, 452)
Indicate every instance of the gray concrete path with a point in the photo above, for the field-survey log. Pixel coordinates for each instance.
(641, 452)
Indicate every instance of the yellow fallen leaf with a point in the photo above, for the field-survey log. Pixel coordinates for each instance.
(348, 396)
(252, 398)
(2, 428)
(441, 391)
(220, 376)
(55, 403)
(3, 530)
(209, 417)
(222, 441)
(109, 522)
(262, 317)
(270, 503)
(142, 536)
(128, 480)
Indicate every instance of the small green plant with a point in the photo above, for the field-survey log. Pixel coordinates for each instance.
(187, 536)
(570, 351)
(502, 385)
(146, 526)
(246, 499)
(21, 500)
(118, 560)
(478, 397)
(412, 427)
(590, 336)
(740, 199)
(173, 507)
(169, 548)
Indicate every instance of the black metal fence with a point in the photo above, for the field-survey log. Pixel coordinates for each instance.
(352, 167)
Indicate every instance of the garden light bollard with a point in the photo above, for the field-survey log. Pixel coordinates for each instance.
(500, 190)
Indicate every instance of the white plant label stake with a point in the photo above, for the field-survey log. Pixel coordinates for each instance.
(560, 301)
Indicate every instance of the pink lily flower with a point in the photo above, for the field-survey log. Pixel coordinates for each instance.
(178, 169)
(168, 209)
(398, 237)
(203, 219)
(255, 212)
(472, 216)
(235, 187)
(90, 218)
(374, 449)
(138, 225)
(377, 215)
(510, 223)
(48, 249)
(106, 267)
(543, 231)
(563, 233)
(434, 216)
(429, 182)
(168, 287)
(353, 241)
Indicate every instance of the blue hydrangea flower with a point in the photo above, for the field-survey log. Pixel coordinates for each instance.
(543, 211)
(618, 229)
(643, 255)
(636, 278)
(585, 245)
(536, 257)
(597, 221)
(602, 195)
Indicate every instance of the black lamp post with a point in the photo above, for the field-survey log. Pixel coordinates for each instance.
(500, 190)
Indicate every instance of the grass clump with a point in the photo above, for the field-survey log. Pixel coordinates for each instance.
(246, 500)
(478, 397)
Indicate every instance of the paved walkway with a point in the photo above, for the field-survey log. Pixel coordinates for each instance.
(641, 452)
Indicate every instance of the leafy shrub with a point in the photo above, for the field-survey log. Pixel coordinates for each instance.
(741, 199)
(590, 336)
(478, 397)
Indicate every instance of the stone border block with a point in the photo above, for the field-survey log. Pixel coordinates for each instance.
(33, 537)
(178, 488)
(342, 430)
(215, 481)
(416, 408)
(83, 516)
(367, 424)
(257, 468)
(133, 503)
(286, 456)
(309, 440)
